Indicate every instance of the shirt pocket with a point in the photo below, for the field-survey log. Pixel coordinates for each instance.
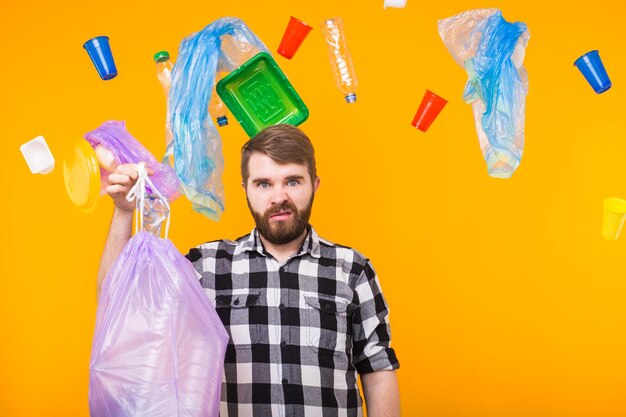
(327, 325)
(240, 315)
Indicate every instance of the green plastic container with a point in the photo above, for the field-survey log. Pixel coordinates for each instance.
(259, 95)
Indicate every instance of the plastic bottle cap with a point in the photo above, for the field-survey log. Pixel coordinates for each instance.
(222, 121)
(161, 56)
(81, 173)
(351, 98)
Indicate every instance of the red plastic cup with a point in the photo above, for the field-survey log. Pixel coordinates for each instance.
(430, 108)
(294, 36)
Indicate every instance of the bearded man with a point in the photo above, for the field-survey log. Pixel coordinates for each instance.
(306, 317)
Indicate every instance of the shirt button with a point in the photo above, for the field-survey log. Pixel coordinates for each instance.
(285, 382)
(283, 343)
(282, 269)
(281, 306)
(326, 306)
(236, 302)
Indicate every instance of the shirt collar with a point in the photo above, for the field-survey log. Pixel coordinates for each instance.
(311, 244)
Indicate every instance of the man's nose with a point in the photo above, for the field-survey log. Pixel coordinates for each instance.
(279, 194)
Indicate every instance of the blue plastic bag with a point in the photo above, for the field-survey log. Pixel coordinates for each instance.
(159, 345)
(492, 51)
(197, 146)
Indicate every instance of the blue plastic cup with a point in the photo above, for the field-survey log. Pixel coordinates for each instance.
(592, 68)
(100, 53)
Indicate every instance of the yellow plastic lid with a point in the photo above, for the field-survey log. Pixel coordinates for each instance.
(81, 173)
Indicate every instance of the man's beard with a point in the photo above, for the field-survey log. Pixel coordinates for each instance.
(282, 232)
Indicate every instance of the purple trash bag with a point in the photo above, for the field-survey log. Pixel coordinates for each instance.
(113, 136)
(159, 345)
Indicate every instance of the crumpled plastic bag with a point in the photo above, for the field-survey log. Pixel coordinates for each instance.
(197, 146)
(159, 345)
(113, 136)
(492, 51)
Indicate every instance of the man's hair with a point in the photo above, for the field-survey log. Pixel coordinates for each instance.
(284, 144)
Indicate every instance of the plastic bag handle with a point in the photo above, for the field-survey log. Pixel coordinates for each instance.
(139, 192)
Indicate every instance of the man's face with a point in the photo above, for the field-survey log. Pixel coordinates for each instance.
(280, 198)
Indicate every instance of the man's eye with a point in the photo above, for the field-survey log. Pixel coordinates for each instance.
(264, 185)
(292, 183)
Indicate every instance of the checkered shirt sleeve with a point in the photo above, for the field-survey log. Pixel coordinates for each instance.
(370, 326)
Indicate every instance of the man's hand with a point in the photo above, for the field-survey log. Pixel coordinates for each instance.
(120, 182)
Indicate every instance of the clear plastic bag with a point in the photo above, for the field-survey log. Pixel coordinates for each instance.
(197, 146)
(492, 51)
(159, 345)
(113, 136)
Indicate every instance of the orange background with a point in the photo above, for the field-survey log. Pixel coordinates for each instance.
(505, 301)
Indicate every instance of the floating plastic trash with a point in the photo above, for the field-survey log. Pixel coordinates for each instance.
(591, 66)
(394, 3)
(259, 95)
(614, 214)
(217, 108)
(492, 51)
(293, 37)
(38, 156)
(340, 58)
(81, 173)
(197, 146)
(428, 110)
(99, 51)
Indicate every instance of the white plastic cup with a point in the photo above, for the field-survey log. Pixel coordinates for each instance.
(38, 156)
(394, 3)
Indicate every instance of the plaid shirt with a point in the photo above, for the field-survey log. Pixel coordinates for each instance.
(299, 331)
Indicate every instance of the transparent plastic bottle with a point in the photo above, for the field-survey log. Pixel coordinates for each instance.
(164, 74)
(217, 108)
(340, 58)
(164, 66)
(164, 70)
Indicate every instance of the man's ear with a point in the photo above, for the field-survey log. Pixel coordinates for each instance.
(316, 184)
